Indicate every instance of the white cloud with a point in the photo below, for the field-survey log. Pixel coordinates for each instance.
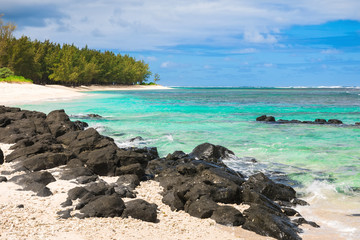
(138, 24)
(330, 51)
(168, 64)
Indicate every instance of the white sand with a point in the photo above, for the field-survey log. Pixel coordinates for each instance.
(38, 218)
(14, 93)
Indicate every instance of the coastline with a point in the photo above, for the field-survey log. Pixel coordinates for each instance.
(38, 218)
(14, 93)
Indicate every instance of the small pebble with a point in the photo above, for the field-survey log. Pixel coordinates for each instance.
(20, 206)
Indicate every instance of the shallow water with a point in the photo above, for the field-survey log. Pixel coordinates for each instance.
(180, 119)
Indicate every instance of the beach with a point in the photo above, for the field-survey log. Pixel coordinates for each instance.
(13, 93)
(180, 224)
(37, 219)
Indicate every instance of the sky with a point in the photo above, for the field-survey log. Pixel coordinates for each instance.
(258, 43)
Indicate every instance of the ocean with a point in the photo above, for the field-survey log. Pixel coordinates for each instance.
(322, 162)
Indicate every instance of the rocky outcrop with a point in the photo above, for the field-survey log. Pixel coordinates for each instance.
(198, 183)
(265, 118)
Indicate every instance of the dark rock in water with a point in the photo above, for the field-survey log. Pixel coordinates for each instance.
(290, 212)
(176, 155)
(334, 121)
(211, 153)
(274, 191)
(265, 118)
(227, 215)
(320, 121)
(104, 206)
(300, 221)
(79, 125)
(140, 209)
(73, 173)
(59, 123)
(93, 115)
(267, 222)
(357, 123)
(1, 157)
(138, 138)
(300, 202)
(3, 179)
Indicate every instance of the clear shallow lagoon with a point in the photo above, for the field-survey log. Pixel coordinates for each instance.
(314, 156)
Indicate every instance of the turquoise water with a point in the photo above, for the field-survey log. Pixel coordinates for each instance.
(182, 118)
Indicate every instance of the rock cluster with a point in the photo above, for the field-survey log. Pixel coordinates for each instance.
(198, 183)
(265, 118)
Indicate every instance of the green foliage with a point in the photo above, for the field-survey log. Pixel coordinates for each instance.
(156, 77)
(5, 72)
(15, 79)
(47, 62)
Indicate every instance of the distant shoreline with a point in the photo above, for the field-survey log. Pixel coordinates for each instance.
(16, 93)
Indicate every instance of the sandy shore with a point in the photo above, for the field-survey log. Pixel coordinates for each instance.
(38, 218)
(14, 94)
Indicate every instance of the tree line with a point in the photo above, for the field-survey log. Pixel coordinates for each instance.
(48, 63)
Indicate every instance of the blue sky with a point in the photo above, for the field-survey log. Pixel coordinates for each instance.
(210, 42)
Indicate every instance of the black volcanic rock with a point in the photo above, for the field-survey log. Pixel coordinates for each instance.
(140, 209)
(1, 157)
(274, 191)
(267, 222)
(334, 121)
(227, 215)
(35, 181)
(104, 206)
(211, 153)
(265, 118)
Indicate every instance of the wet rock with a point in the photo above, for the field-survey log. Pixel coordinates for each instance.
(211, 153)
(59, 123)
(176, 155)
(334, 121)
(104, 206)
(140, 209)
(227, 215)
(93, 115)
(136, 139)
(320, 121)
(300, 221)
(268, 222)
(265, 118)
(274, 191)
(79, 125)
(357, 123)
